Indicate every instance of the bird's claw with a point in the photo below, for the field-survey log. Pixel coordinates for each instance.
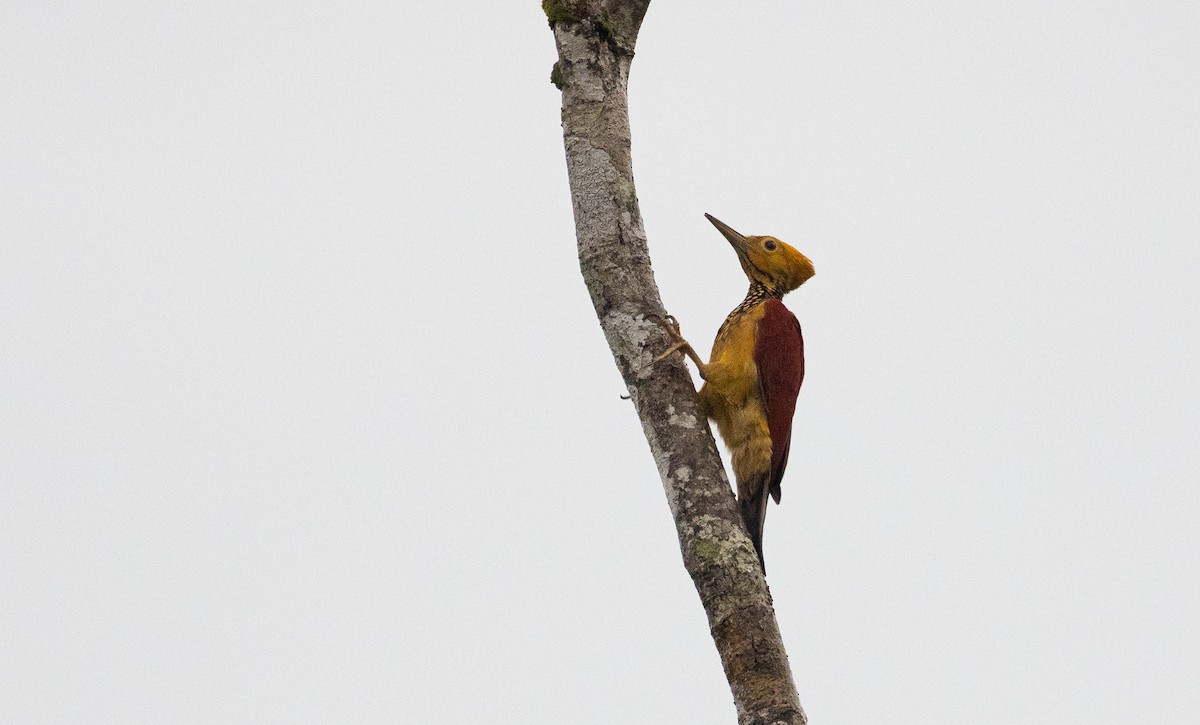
(671, 326)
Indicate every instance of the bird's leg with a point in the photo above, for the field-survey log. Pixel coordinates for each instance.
(671, 325)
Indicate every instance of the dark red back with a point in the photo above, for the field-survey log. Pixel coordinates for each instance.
(779, 354)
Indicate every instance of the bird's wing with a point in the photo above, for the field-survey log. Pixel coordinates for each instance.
(779, 354)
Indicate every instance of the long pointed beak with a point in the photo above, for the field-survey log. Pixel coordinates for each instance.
(738, 241)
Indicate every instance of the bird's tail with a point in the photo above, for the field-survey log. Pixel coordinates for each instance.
(754, 514)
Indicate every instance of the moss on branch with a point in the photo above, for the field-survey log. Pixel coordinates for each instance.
(558, 11)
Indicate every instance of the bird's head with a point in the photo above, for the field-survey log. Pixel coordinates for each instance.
(766, 260)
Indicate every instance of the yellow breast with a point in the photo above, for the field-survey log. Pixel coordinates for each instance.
(731, 394)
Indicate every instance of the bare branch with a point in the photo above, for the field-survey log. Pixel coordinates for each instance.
(596, 40)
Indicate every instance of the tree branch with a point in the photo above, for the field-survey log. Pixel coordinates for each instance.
(595, 41)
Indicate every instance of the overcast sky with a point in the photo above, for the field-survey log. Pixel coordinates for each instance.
(305, 415)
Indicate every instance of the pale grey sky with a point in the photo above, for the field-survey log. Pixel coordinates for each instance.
(305, 415)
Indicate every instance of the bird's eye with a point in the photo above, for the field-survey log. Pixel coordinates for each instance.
(769, 245)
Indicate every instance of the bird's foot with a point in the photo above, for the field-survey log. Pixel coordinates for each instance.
(671, 326)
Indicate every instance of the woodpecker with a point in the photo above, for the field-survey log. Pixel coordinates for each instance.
(754, 372)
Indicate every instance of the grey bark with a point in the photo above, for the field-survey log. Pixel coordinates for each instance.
(595, 41)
